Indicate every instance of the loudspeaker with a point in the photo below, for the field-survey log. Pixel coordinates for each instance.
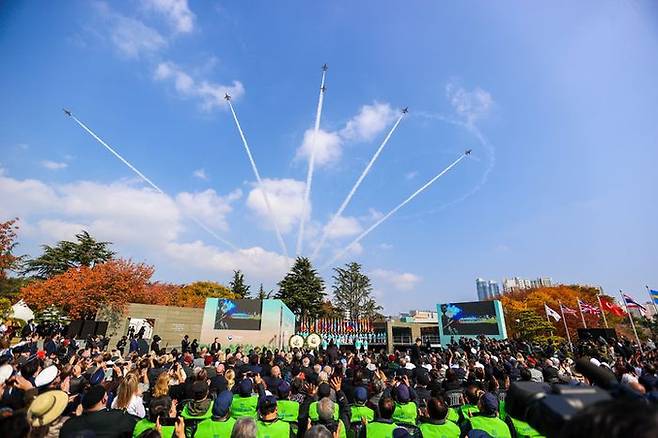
(101, 328)
(88, 328)
(73, 330)
(593, 334)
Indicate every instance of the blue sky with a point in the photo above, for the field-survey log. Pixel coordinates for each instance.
(558, 103)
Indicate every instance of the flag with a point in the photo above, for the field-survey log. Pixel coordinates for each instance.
(654, 296)
(550, 313)
(587, 308)
(632, 304)
(568, 310)
(611, 307)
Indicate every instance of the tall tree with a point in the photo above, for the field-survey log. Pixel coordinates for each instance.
(352, 289)
(8, 261)
(237, 285)
(195, 294)
(302, 289)
(85, 251)
(262, 295)
(81, 292)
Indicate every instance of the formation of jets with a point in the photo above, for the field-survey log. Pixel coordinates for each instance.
(67, 112)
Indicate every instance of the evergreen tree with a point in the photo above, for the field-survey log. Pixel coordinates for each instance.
(302, 289)
(262, 295)
(352, 290)
(237, 285)
(55, 260)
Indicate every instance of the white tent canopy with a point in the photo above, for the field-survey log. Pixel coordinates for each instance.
(20, 310)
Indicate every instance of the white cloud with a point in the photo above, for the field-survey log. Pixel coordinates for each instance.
(208, 207)
(201, 174)
(369, 122)
(401, 281)
(328, 147)
(54, 165)
(59, 229)
(286, 198)
(344, 227)
(177, 13)
(411, 175)
(471, 105)
(210, 94)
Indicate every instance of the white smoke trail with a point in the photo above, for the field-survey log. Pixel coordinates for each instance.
(149, 182)
(392, 212)
(347, 200)
(263, 190)
(311, 167)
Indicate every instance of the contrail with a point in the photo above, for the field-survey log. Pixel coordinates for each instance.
(392, 212)
(347, 200)
(260, 182)
(145, 179)
(311, 164)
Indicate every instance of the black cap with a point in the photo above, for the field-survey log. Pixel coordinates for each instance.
(93, 396)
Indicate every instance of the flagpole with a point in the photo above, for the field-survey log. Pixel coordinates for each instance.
(605, 321)
(566, 329)
(655, 310)
(630, 317)
(580, 309)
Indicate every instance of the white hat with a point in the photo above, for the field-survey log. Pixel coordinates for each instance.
(46, 376)
(428, 367)
(5, 372)
(595, 361)
(410, 366)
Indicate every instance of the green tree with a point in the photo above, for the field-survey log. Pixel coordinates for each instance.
(302, 289)
(531, 326)
(262, 295)
(237, 285)
(352, 289)
(10, 286)
(55, 260)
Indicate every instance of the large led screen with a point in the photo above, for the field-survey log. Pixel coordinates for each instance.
(238, 314)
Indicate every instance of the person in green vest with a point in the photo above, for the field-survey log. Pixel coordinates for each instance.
(244, 404)
(405, 411)
(383, 426)
(197, 410)
(324, 390)
(326, 418)
(288, 409)
(359, 410)
(160, 407)
(521, 429)
(269, 425)
(486, 419)
(470, 408)
(438, 426)
(220, 424)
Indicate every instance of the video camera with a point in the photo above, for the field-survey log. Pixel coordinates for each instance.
(548, 407)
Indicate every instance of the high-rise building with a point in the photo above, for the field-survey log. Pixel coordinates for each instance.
(487, 290)
(517, 283)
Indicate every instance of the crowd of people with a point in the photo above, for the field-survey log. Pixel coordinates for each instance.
(56, 387)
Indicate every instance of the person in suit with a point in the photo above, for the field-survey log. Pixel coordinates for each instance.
(215, 347)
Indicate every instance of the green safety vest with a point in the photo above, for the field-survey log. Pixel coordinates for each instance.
(501, 410)
(453, 415)
(186, 414)
(313, 411)
(523, 429)
(494, 426)
(380, 430)
(288, 410)
(144, 425)
(362, 411)
(214, 429)
(445, 430)
(244, 406)
(272, 429)
(466, 411)
(405, 413)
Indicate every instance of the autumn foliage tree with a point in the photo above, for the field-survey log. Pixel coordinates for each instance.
(8, 260)
(80, 292)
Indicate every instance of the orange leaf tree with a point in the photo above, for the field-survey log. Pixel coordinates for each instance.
(8, 260)
(80, 292)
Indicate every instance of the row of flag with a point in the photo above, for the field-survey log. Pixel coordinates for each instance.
(605, 303)
(335, 325)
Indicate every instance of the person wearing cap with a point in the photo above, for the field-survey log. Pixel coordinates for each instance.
(486, 420)
(383, 426)
(245, 404)
(406, 411)
(221, 423)
(359, 409)
(288, 409)
(269, 424)
(437, 425)
(98, 421)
